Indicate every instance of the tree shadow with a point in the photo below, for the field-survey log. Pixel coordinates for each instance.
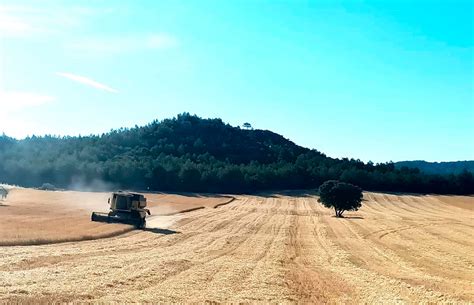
(286, 193)
(185, 194)
(161, 231)
(353, 217)
(416, 194)
(349, 217)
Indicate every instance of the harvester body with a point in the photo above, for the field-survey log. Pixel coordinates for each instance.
(125, 207)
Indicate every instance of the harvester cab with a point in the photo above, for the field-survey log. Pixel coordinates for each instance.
(125, 207)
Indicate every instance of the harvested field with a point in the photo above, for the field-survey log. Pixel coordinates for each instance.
(37, 217)
(260, 248)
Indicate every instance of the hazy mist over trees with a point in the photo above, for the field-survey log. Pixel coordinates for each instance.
(188, 153)
(444, 168)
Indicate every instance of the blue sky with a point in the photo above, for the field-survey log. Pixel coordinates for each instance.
(374, 80)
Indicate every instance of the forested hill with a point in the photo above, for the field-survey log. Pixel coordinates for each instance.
(442, 168)
(188, 153)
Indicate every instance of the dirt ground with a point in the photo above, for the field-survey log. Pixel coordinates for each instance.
(273, 248)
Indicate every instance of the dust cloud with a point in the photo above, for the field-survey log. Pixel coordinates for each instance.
(161, 222)
(95, 185)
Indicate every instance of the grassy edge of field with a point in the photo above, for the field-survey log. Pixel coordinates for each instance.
(47, 241)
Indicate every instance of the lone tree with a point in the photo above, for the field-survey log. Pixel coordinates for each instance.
(341, 196)
(247, 126)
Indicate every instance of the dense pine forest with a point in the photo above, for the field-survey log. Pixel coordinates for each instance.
(188, 153)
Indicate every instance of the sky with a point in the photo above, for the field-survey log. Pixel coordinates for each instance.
(370, 80)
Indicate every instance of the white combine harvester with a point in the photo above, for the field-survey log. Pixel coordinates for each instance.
(125, 207)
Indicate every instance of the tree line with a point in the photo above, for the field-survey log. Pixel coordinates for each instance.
(445, 168)
(188, 153)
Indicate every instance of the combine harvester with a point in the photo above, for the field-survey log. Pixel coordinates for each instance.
(125, 207)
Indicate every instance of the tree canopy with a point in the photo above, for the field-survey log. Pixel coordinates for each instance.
(188, 153)
(341, 196)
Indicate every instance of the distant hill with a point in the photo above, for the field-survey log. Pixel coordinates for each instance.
(441, 168)
(188, 153)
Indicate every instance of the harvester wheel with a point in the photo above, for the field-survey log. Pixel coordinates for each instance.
(141, 224)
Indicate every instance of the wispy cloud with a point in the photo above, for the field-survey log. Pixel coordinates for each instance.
(87, 81)
(131, 43)
(62, 22)
(13, 104)
(24, 21)
(14, 26)
(161, 41)
(13, 101)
